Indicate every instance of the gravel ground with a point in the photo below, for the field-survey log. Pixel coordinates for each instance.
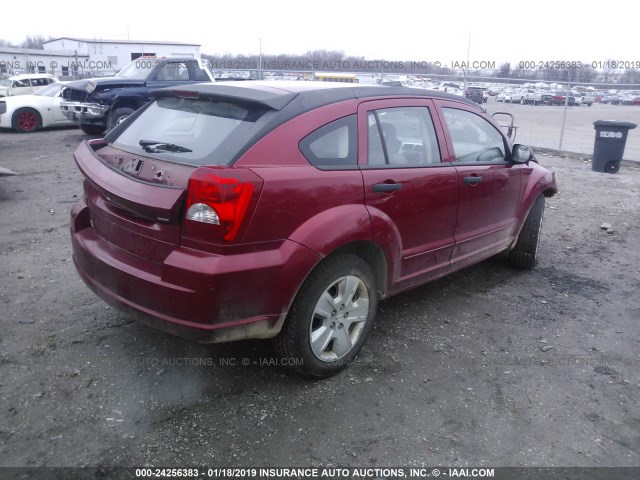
(490, 366)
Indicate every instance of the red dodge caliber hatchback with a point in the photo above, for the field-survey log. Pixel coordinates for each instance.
(240, 210)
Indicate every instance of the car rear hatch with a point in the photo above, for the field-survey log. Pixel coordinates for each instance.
(134, 201)
(137, 178)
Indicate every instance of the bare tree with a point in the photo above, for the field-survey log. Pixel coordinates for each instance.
(630, 75)
(609, 72)
(34, 41)
(505, 70)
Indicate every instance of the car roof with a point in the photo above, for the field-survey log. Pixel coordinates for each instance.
(310, 94)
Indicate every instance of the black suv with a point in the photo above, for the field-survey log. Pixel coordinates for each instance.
(99, 104)
(475, 94)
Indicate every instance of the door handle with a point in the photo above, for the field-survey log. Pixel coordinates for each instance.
(386, 187)
(472, 180)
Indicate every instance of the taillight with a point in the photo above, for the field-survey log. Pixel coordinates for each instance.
(217, 202)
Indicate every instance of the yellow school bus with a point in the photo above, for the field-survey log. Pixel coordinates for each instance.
(336, 77)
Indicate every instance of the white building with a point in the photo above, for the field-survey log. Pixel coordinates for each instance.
(69, 56)
(102, 57)
(14, 61)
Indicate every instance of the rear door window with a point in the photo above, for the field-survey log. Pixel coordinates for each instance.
(401, 137)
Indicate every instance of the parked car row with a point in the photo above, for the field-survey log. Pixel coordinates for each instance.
(540, 97)
(528, 96)
(629, 98)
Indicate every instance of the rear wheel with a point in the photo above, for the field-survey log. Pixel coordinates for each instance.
(330, 318)
(524, 254)
(26, 120)
(90, 129)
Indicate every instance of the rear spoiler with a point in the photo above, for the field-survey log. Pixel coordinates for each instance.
(269, 99)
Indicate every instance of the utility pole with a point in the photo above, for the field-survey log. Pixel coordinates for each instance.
(260, 62)
(464, 89)
(566, 104)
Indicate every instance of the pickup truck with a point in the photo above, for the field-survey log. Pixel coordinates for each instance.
(526, 96)
(99, 104)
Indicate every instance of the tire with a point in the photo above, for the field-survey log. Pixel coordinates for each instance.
(117, 116)
(91, 129)
(317, 313)
(26, 120)
(524, 254)
(612, 167)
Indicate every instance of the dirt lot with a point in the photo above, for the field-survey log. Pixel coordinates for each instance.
(491, 366)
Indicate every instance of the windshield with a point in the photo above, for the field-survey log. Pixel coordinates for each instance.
(50, 90)
(192, 131)
(138, 69)
(5, 83)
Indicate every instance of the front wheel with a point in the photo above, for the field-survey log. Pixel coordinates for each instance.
(524, 254)
(118, 116)
(331, 317)
(26, 120)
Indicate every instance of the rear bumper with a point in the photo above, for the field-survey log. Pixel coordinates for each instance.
(193, 294)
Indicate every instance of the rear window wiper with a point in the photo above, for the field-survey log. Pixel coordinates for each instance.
(152, 145)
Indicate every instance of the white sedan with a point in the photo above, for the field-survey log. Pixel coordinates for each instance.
(28, 113)
(504, 96)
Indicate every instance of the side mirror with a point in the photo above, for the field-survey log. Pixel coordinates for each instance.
(521, 153)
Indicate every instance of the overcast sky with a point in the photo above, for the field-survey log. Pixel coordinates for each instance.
(394, 30)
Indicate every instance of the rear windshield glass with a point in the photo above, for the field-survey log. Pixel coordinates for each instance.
(192, 131)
